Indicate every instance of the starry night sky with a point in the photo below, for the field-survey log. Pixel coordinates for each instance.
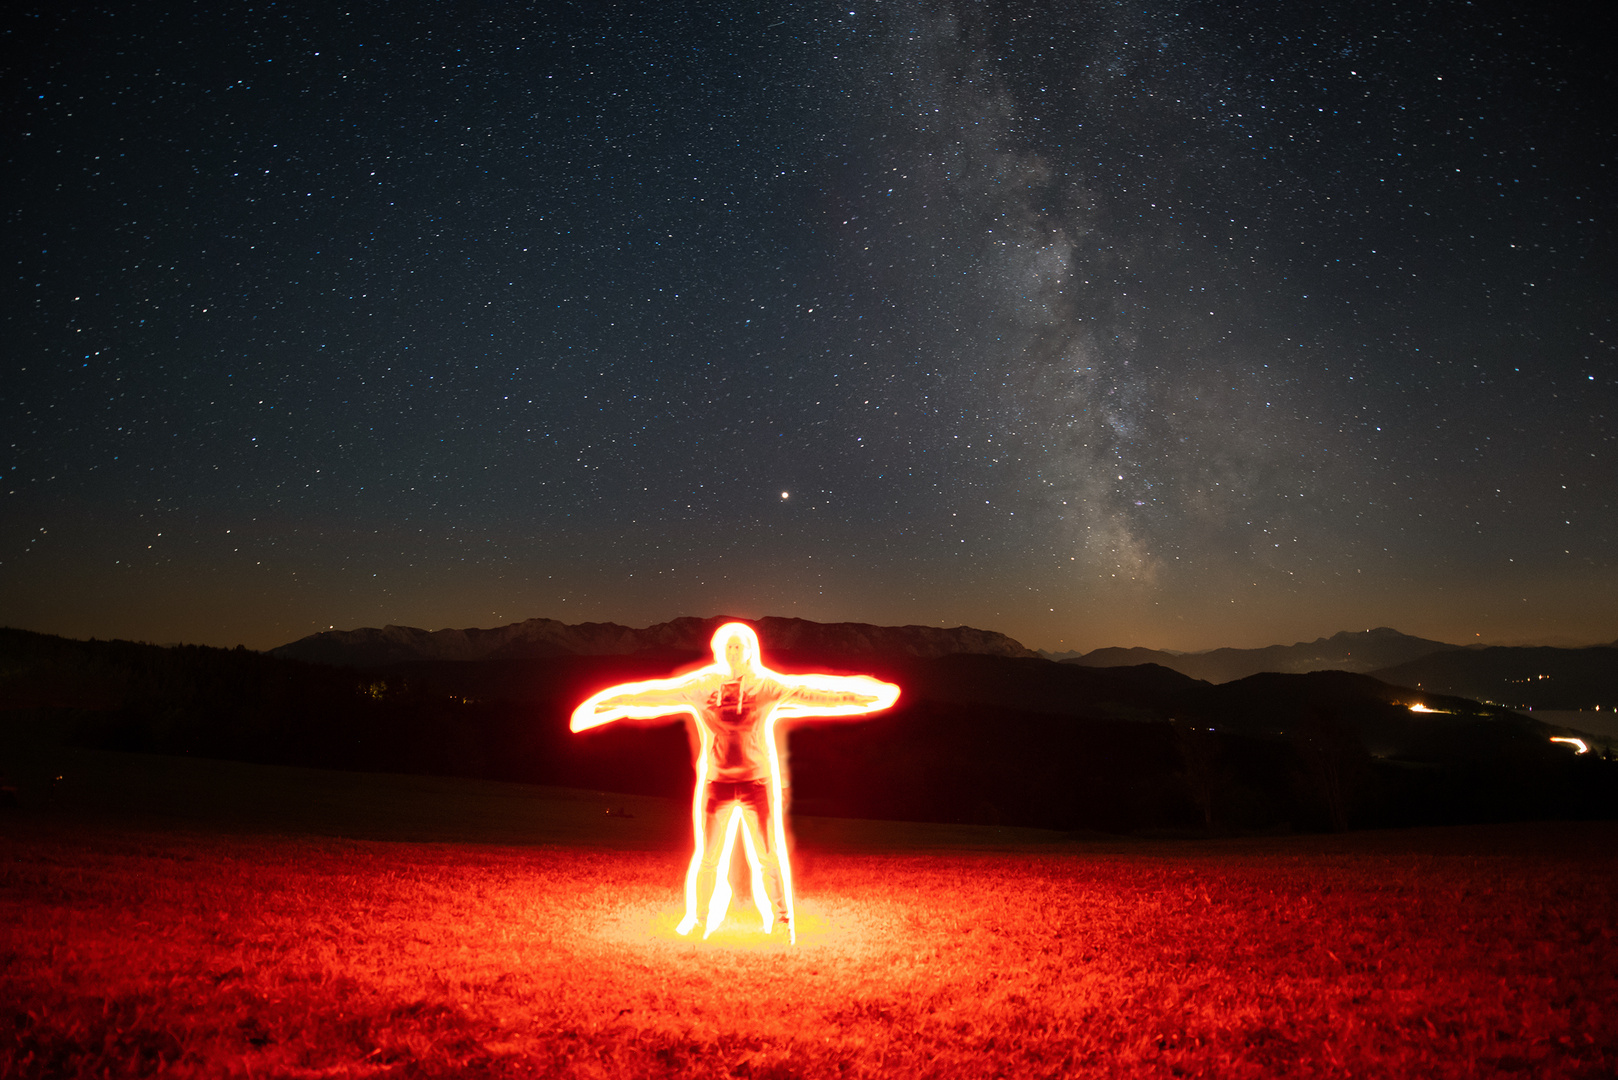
(1181, 325)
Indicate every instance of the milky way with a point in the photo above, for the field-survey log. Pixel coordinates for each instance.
(1091, 323)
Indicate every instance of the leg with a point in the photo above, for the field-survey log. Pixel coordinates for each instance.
(759, 818)
(709, 813)
(714, 819)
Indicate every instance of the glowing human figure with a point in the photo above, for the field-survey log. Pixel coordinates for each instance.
(737, 702)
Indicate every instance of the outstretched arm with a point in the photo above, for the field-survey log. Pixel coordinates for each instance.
(837, 695)
(643, 700)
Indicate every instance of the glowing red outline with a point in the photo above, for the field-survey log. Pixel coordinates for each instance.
(880, 695)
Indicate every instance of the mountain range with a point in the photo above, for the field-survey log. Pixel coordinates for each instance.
(1519, 678)
(1359, 651)
(538, 638)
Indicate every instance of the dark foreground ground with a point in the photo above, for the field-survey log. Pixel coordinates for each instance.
(169, 917)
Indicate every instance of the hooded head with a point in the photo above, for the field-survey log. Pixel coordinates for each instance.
(735, 648)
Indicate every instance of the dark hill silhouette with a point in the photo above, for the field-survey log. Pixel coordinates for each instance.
(1019, 741)
(535, 638)
(1518, 678)
(975, 737)
(1359, 651)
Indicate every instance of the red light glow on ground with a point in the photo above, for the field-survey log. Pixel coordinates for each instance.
(1408, 953)
(653, 928)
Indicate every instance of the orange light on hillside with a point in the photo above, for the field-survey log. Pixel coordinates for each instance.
(1579, 745)
(737, 702)
(1419, 707)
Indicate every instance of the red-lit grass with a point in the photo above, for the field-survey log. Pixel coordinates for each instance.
(1395, 954)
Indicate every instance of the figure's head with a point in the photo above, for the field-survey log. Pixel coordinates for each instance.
(735, 648)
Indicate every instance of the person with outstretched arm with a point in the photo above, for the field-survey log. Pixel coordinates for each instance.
(737, 703)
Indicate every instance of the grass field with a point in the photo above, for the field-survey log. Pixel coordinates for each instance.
(265, 936)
